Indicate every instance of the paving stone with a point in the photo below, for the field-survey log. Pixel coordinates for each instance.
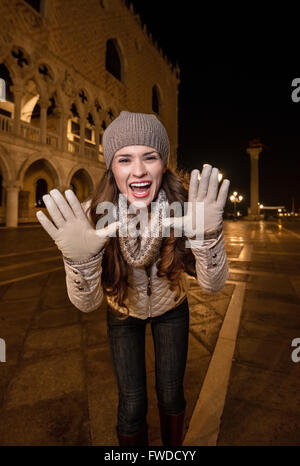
(252, 329)
(196, 349)
(94, 333)
(103, 406)
(265, 354)
(271, 312)
(29, 288)
(7, 370)
(62, 421)
(273, 389)
(56, 317)
(248, 424)
(45, 379)
(102, 395)
(98, 364)
(45, 342)
(273, 284)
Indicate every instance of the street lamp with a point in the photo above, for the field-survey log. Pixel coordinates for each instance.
(235, 198)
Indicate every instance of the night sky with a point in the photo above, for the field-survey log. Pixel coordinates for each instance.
(229, 95)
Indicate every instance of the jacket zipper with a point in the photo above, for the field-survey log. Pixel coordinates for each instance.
(148, 271)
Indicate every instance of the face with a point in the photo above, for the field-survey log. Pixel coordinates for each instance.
(138, 165)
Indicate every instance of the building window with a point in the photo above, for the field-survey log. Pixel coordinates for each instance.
(35, 4)
(155, 100)
(113, 63)
(75, 128)
(40, 190)
(4, 74)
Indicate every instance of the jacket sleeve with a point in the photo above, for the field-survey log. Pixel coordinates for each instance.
(211, 263)
(83, 280)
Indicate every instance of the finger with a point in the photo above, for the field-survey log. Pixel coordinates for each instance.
(194, 182)
(110, 230)
(62, 204)
(54, 211)
(47, 225)
(174, 222)
(204, 180)
(213, 185)
(75, 204)
(223, 193)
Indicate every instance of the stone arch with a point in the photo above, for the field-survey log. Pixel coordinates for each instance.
(11, 68)
(31, 96)
(81, 181)
(37, 177)
(55, 169)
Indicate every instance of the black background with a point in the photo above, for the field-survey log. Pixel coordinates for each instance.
(236, 70)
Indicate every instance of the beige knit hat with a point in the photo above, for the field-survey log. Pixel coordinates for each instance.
(130, 129)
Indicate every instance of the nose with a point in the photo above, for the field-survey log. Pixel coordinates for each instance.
(139, 168)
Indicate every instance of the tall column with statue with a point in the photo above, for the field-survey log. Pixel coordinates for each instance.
(254, 149)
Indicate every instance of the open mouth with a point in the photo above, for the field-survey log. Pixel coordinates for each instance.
(140, 189)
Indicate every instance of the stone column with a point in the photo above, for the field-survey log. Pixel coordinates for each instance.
(62, 129)
(24, 203)
(254, 180)
(82, 134)
(44, 103)
(12, 200)
(18, 93)
(97, 139)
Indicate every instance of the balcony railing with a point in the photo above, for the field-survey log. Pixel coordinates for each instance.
(73, 147)
(90, 153)
(52, 140)
(6, 124)
(30, 132)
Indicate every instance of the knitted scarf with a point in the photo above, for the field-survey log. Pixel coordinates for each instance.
(144, 249)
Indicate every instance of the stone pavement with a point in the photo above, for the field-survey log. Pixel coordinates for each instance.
(57, 385)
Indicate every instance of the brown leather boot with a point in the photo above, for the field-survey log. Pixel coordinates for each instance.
(171, 427)
(139, 438)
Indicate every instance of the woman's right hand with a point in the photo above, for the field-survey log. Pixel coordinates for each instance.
(73, 233)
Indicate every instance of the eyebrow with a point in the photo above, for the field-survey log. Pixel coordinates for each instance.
(130, 155)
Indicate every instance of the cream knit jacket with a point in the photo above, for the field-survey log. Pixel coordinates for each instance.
(85, 291)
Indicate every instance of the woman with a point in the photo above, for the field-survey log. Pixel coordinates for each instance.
(142, 273)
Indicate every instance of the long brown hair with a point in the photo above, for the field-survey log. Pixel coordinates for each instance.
(174, 259)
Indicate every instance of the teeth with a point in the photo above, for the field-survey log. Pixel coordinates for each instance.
(139, 185)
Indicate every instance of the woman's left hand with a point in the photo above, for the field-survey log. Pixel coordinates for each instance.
(204, 202)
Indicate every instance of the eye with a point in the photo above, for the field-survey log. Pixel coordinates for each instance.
(123, 160)
(151, 157)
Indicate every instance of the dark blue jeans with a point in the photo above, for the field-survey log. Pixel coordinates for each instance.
(126, 338)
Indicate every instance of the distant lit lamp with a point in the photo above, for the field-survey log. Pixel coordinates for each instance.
(235, 198)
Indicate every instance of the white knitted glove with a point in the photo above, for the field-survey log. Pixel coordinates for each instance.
(73, 234)
(211, 208)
